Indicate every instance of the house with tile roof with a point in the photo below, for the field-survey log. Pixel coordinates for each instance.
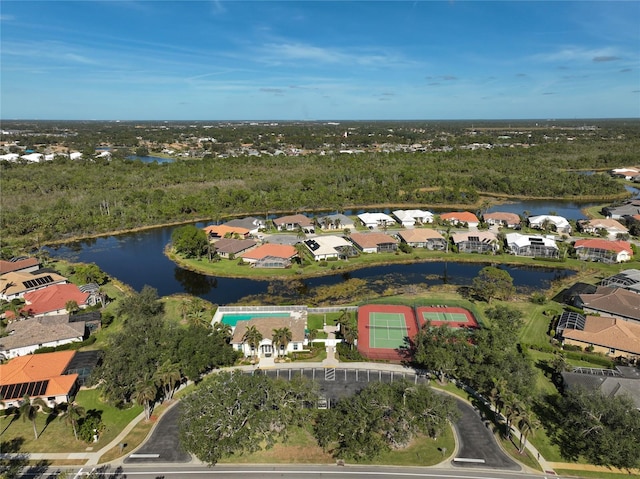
(27, 335)
(423, 238)
(266, 326)
(294, 222)
(476, 241)
(376, 220)
(38, 376)
(411, 218)
(17, 283)
(374, 242)
(251, 223)
(459, 218)
(605, 251)
(223, 231)
(23, 265)
(557, 223)
(611, 226)
(536, 246)
(285, 253)
(230, 247)
(610, 336)
(330, 246)
(615, 302)
(502, 219)
(336, 222)
(52, 300)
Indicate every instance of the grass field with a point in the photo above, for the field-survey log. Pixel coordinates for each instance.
(57, 436)
(301, 448)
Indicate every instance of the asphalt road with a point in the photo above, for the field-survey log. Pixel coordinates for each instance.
(291, 472)
(477, 445)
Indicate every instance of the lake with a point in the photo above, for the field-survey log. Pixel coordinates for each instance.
(137, 259)
(150, 159)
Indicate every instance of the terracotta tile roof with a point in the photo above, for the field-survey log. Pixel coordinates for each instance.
(53, 298)
(372, 240)
(609, 333)
(35, 367)
(420, 235)
(299, 219)
(614, 301)
(276, 250)
(597, 243)
(233, 246)
(606, 223)
(267, 325)
(9, 266)
(461, 216)
(222, 230)
(509, 218)
(18, 282)
(484, 236)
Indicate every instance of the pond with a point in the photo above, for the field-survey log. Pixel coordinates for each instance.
(137, 259)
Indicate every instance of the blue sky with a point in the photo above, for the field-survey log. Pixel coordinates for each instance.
(306, 60)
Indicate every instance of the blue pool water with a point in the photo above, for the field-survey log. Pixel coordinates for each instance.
(232, 318)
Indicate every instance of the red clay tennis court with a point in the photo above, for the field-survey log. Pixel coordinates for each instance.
(383, 329)
(454, 317)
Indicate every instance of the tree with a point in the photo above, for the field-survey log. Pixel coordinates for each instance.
(343, 320)
(231, 413)
(71, 306)
(252, 337)
(604, 430)
(527, 424)
(73, 414)
(145, 394)
(29, 410)
(167, 377)
(492, 283)
(350, 335)
(189, 241)
(281, 339)
(382, 416)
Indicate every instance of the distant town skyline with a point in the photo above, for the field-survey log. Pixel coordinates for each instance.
(319, 60)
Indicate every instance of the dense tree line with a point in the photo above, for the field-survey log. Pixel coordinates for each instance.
(61, 198)
(232, 413)
(148, 352)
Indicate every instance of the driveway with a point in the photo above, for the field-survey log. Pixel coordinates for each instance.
(476, 441)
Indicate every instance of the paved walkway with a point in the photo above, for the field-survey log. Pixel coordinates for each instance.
(93, 457)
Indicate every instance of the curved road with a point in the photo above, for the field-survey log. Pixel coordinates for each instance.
(477, 446)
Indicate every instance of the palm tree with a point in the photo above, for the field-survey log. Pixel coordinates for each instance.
(29, 410)
(167, 377)
(343, 320)
(527, 424)
(223, 329)
(350, 335)
(73, 414)
(252, 337)
(281, 339)
(145, 395)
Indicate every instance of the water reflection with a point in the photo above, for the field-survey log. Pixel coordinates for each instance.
(137, 259)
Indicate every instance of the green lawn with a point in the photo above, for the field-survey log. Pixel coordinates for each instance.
(57, 436)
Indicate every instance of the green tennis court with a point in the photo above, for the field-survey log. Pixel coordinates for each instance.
(444, 317)
(387, 330)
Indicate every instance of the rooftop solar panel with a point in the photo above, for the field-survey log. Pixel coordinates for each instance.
(11, 392)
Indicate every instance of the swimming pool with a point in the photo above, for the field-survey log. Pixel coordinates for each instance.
(232, 318)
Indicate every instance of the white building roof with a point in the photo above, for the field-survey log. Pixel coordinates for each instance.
(521, 240)
(558, 221)
(34, 157)
(404, 215)
(10, 157)
(327, 244)
(375, 218)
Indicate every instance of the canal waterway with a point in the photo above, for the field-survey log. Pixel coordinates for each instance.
(137, 259)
